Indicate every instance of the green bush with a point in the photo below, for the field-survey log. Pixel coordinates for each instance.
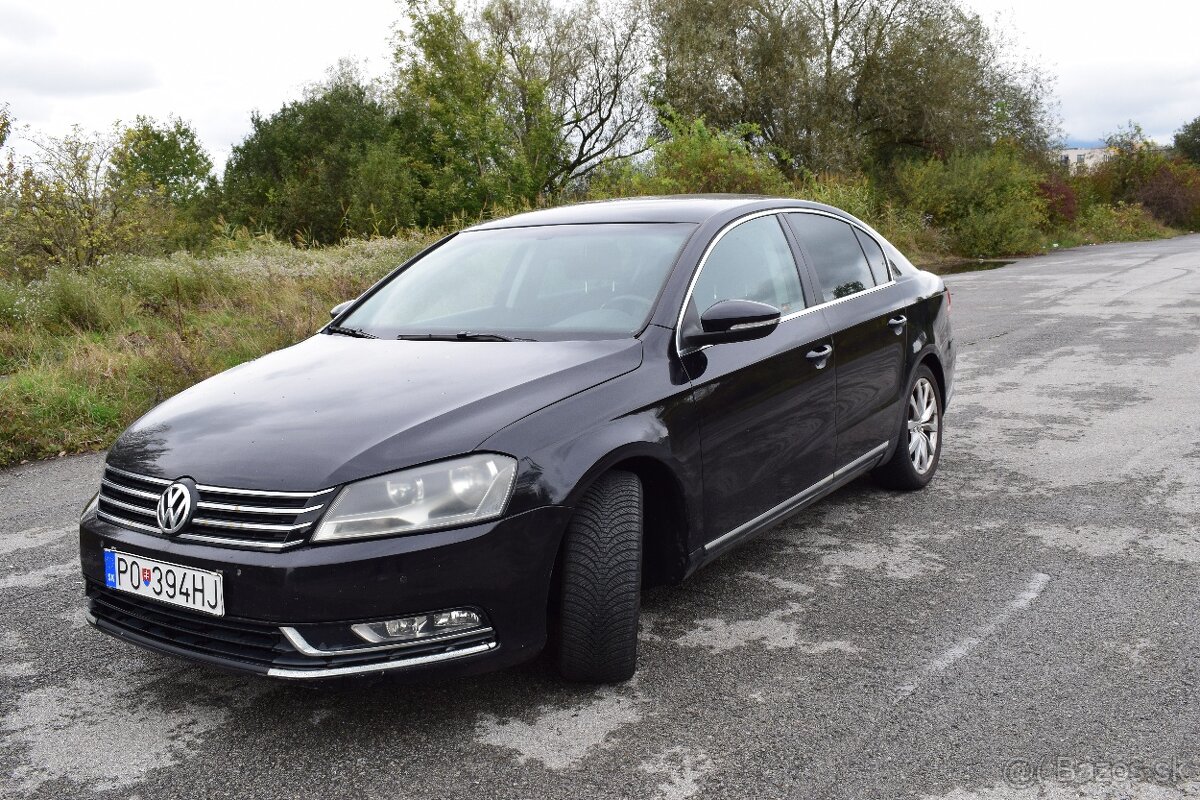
(855, 194)
(988, 202)
(1100, 223)
(695, 159)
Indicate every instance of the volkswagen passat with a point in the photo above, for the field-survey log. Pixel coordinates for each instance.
(504, 440)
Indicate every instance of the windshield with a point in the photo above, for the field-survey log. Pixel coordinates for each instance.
(548, 282)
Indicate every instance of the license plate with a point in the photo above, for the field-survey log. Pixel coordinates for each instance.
(196, 589)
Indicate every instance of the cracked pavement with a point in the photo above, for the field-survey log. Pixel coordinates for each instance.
(1024, 629)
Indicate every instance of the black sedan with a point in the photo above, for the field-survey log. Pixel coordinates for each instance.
(503, 441)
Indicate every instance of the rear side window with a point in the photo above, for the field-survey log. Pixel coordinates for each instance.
(837, 258)
(879, 265)
(751, 262)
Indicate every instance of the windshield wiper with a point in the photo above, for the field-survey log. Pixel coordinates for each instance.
(461, 336)
(357, 333)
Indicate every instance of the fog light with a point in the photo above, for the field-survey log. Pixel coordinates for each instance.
(422, 626)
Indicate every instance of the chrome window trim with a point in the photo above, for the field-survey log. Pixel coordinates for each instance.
(333, 672)
(297, 640)
(687, 297)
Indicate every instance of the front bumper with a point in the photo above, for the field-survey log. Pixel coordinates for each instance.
(287, 614)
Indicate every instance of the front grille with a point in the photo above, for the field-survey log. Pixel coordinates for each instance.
(245, 643)
(234, 517)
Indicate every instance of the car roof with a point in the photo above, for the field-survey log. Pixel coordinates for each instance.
(695, 208)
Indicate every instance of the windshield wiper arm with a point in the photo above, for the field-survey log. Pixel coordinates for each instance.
(461, 336)
(357, 333)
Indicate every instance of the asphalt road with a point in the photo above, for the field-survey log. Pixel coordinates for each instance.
(1024, 628)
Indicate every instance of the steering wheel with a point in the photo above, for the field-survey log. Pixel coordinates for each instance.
(640, 305)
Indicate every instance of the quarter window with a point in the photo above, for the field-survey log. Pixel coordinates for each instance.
(879, 265)
(751, 262)
(837, 258)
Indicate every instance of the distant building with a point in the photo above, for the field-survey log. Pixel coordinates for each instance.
(1081, 159)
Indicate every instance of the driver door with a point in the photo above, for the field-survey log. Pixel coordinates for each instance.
(766, 406)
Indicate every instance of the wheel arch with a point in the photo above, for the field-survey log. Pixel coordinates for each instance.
(666, 524)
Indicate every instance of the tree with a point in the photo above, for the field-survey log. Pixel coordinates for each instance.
(67, 205)
(167, 158)
(292, 175)
(848, 84)
(518, 101)
(693, 158)
(1187, 141)
(571, 83)
(5, 124)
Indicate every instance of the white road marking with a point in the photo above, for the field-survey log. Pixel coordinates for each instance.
(968, 643)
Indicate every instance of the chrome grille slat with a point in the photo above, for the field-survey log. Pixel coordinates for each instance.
(258, 493)
(204, 505)
(136, 477)
(126, 523)
(248, 526)
(224, 515)
(129, 491)
(145, 512)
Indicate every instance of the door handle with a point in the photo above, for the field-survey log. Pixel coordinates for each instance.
(820, 357)
(897, 323)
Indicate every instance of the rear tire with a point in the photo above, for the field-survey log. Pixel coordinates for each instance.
(602, 583)
(919, 447)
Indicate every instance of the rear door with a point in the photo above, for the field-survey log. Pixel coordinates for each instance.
(767, 420)
(865, 312)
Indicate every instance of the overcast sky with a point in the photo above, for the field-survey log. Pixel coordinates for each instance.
(212, 63)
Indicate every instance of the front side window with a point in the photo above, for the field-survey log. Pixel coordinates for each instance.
(752, 261)
(837, 258)
(552, 282)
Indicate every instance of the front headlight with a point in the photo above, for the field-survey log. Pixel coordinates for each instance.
(91, 505)
(447, 494)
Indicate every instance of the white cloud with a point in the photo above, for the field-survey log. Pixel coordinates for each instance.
(18, 24)
(50, 76)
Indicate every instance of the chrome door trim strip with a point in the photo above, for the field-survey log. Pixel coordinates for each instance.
(333, 672)
(794, 503)
(297, 640)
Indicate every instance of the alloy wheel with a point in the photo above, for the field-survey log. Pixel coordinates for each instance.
(923, 426)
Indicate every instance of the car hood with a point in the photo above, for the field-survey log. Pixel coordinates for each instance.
(333, 409)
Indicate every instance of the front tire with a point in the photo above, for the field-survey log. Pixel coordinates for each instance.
(919, 447)
(602, 583)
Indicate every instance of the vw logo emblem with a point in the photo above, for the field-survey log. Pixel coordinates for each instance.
(175, 507)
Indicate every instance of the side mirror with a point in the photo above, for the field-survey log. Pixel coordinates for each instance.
(735, 321)
(336, 311)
